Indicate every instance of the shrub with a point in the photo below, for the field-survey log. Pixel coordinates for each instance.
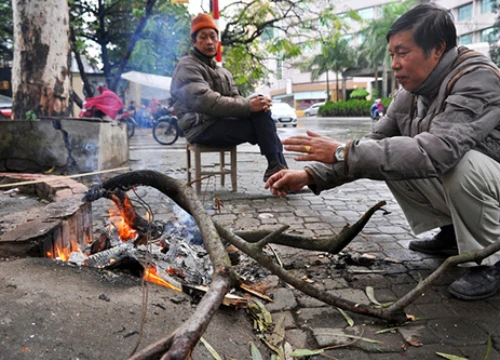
(359, 94)
(350, 108)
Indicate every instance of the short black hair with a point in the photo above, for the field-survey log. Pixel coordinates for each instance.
(431, 25)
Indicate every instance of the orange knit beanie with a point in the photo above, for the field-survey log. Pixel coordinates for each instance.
(201, 21)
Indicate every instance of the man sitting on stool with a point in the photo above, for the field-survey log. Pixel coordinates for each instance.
(210, 110)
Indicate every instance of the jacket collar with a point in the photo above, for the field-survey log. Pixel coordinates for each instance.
(430, 86)
(210, 61)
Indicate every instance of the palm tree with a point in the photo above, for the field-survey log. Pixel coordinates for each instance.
(336, 55)
(374, 47)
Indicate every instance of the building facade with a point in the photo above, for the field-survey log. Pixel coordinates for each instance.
(474, 20)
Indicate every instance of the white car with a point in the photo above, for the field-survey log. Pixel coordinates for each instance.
(284, 114)
(313, 109)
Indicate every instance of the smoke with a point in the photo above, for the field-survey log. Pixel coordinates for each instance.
(182, 225)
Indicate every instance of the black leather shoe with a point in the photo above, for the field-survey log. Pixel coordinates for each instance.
(480, 282)
(273, 170)
(443, 243)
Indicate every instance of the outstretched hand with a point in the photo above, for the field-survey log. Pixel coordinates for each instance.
(288, 180)
(315, 147)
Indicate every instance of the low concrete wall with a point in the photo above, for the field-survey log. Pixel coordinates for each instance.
(68, 145)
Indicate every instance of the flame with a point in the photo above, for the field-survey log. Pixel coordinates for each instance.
(151, 276)
(122, 219)
(64, 253)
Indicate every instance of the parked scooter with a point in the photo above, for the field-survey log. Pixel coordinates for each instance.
(125, 117)
(377, 110)
(109, 105)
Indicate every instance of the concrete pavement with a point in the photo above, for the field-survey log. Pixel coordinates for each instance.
(449, 325)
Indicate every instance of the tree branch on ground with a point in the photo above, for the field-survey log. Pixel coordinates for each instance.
(179, 344)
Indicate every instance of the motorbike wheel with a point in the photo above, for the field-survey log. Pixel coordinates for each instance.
(130, 127)
(166, 131)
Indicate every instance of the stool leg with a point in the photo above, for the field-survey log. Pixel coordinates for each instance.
(197, 170)
(222, 156)
(234, 182)
(188, 164)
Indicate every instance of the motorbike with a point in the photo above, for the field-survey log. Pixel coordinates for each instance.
(165, 128)
(5, 113)
(124, 117)
(375, 113)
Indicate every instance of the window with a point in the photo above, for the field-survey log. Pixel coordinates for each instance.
(487, 6)
(465, 12)
(279, 68)
(465, 39)
(489, 35)
(267, 34)
(366, 14)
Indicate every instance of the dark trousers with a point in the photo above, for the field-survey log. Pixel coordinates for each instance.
(258, 128)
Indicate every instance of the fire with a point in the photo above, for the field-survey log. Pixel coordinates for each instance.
(64, 253)
(151, 276)
(122, 219)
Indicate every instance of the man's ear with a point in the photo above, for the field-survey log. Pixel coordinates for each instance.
(439, 49)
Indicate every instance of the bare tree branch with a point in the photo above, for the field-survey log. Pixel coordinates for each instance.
(133, 40)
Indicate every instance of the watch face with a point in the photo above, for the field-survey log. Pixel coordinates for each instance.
(339, 153)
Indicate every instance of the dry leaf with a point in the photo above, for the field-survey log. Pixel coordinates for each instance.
(50, 170)
(307, 280)
(414, 342)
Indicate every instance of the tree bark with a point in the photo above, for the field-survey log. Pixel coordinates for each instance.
(41, 77)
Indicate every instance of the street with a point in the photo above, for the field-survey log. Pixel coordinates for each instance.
(340, 129)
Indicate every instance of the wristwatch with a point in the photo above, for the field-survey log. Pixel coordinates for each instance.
(340, 153)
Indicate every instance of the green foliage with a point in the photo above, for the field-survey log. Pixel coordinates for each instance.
(163, 42)
(350, 108)
(110, 25)
(6, 31)
(373, 51)
(246, 70)
(359, 94)
(251, 23)
(30, 115)
(335, 56)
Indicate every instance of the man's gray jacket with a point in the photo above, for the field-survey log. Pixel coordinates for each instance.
(201, 92)
(444, 125)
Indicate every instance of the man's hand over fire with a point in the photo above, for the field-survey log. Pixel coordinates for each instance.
(288, 180)
(314, 146)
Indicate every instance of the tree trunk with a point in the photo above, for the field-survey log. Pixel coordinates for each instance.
(41, 77)
(327, 87)
(336, 85)
(385, 80)
(87, 89)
